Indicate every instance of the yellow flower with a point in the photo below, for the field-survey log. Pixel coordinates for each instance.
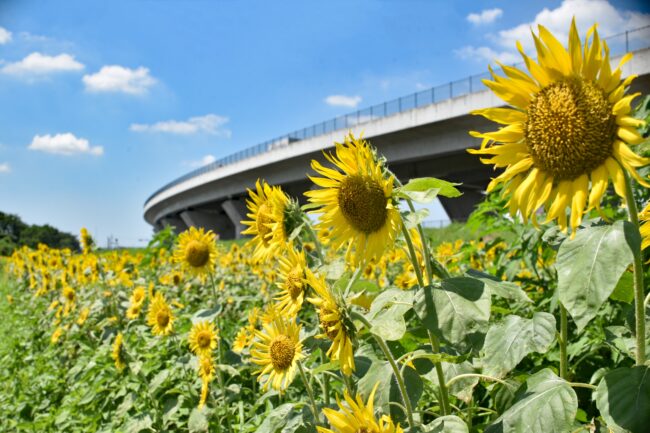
(133, 312)
(292, 283)
(333, 322)
(267, 222)
(206, 373)
(86, 241)
(160, 316)
(358, 417)
(277, 352)
(138, 295)
(567, 133)
(203, 338)
(69, 294)
(356, 201)
(117, 354)
(83, 316)
(243, 339)
(56, 335)
(196, 251)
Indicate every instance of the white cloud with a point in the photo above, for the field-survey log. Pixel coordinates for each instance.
(64, 144)
(209, 124)
(115, 78)
(343, 101)
(483, 54)
(587, 12)
(207, 159)
(42, 64)
(5, 168)
(5, 36)
(485, 17)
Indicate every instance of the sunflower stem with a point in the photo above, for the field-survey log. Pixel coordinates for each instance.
(326, 381)
(444, 388)
(389, 357)
(353, 279)
(312, 235)
(633, 215)
(430, 262)
(310, 393)
(563, 342)
(414, 258)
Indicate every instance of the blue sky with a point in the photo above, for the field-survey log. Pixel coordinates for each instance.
(104, 102)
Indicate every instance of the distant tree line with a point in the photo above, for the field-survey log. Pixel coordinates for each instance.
(15, 233)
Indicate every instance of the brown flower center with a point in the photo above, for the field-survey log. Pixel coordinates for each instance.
(294, 283)
(570, 128)
(204, 340)
(197, 253)
(327, 325)
(282, 351)
(162, 318)
(363, 203)
(263, 220)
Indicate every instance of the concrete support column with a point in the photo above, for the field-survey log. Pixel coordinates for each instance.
(177, 223)
(236, 211)
(217, 222)
(459, 208)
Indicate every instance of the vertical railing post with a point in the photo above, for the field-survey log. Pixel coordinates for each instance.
(627, 41)
(416, 99)
(470, 84)
(399, 105)
(385, 107)
(433, 95)
(451, 89)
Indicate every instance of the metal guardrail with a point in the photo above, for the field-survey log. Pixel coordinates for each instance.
(630, 40)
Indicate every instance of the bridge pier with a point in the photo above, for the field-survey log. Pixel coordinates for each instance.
(236, 211)
(174, 221)
(210, 220)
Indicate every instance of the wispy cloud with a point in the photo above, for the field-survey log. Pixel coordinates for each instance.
(5, 36)
(115, 78)
(207, 159)
(485, 17)
(208, 124)
(42, 64)
(586, 12)
(5, 168)
(343, 101)
(483, 54)
(64, 144)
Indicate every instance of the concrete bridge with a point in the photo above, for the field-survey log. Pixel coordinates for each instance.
(423, 134)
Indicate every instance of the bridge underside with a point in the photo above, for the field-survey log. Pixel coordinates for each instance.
(420, 152)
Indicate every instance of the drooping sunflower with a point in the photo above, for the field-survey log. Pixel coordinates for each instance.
(356, 200)
(118, 354)
(358, 416)
(243, 339)
(133, 312)
(86, 241)
(203, 338)
(277, 352)
(160, 316)
(196, 251)
(568, 129)
(206, 373)
(334, 324)
(292, 282)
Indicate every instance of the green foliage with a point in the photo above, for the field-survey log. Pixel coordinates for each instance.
(14, 233)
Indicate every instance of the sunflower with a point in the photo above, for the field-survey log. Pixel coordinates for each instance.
(160, 316)
(206, 373)
(243, 339)
(335, 326)
(292, 283)
(138, 295)
(358, 417)
(69, 294)
(196, 251)
(133, 312)
(277, 353)
(569, 126)
(118, 352)
(203, 338)
(261, 214)
(356, 202)
(86, 241)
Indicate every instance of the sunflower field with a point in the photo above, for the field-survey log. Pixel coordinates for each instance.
(346, 315)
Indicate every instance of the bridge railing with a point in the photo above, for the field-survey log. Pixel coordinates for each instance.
(630, 40)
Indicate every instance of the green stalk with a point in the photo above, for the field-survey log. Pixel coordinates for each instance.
(326, 381)
(389, 357)
(312, 234)
(639, 312)
(444, 391)
(310, 393)
(563, 341)
(414, 257)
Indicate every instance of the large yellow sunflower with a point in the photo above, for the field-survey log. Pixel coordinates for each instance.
(278, 352)
(196, 251)
(335, 326)
(292, 283)
(568, 128)
(358, 416)
(356, 200)
(644, 219)
(203, 338)
(160, 316)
